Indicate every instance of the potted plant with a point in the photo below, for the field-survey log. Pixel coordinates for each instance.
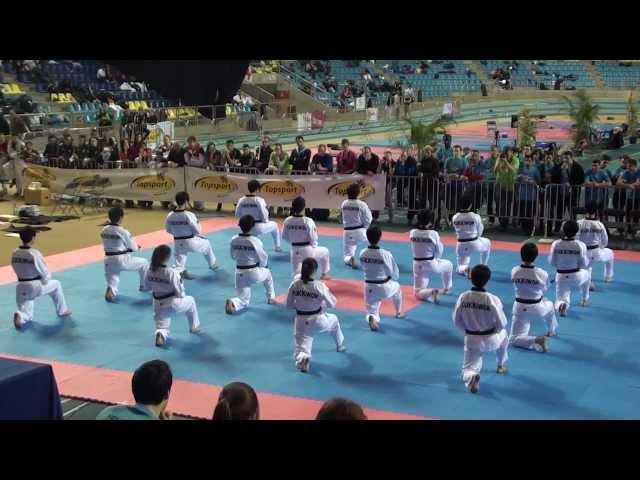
(526, 129)
(632, 119)
(584, 113)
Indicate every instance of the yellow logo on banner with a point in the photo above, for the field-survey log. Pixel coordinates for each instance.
(155, 135)
(39, 174)
(218, 184)
(286, 189)
(91, 181)
(340, 189)
(155, 184)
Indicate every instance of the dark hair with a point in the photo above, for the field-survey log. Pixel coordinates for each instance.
(182, 198)
(246, 223)
(160, 255)
(374, 234)
(353, 191)
(606, 158)
(253, 186)
(340, 409)
(344, 140)
(309, 267)
(570, 228)
(425, 217)
(297, 205)
(229, 142)
(466, 201)
(191, 139)
(529, 252)
(567, 154)
(27, 235)
(151, 382)
(299, 137)
(595, 162)
(632, 161)
(237, 401)
(591, 207)
(115, 214)
(480, 275)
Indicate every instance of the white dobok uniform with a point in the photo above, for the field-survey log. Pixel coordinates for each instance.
(427, 250)
(169, 298)
(310, 301)
(530, 283)
(34, 280)
(118, 245)
(186, 232)
(479, 314)
(356, 218)
(469, 228)
(251, 268)
(571, 262)
(593, 234)
(381, 276)
(302, 234)
(257, 208)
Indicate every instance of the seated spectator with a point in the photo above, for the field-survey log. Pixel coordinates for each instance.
(146, 159)
(127, 87)
(29, 154)
(247, 158)
(101, 74)
(231, 154)
(341, 409)
(194, 154)
(109, 154)
(52, 149)
(214, 157)
(300, 157)
(126, 154)
(151, 386)
(263, 154)
(368, 162)
(322, 161)
(91, 153)
(162, 152)
(237, 401)
(346, 160)
(176, 156)
(67, 149)
(279, 161)
(616, 140)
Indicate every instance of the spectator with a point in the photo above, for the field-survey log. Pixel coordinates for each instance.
(17, 126)
(247, 157)
(368, 162)
(279, 161)
(151, 386)
(445, 152)
(92, 152)
(527, 188)
(506, 173)
(263, 154)
(474, 173)
(429, 170)
(176, 156)
(341, 409)
(109, 154)
(406, 172)
(596, 183)
(237, 401)
(489, 167)
(101, 74)
(29, 154)
(300, 157)
(322, 161)
(214, 157)
(194, 154)
(629, 180)
(67, 149)
(616, 140)
(231, 155)
(162, 152)
(126, 154)
(455, 166)
(51, 150)
(346, 160)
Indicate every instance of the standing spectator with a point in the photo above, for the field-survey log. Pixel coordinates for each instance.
(17, 125)
(279, 161)
(576, 179)
(263, 154)
(51, 151)
(247, 158)
(237, 401)
(527, 193)
(596, 191)
(506, 173)
(346, 160)
(340, 409)
(430, 171)
(368, 162)
(406, 172)
(474, 174)
(630, 181)
(231, 154)
(454, 168)
(322, 161)
(489, 166)
(151, 385)
(300, 157)
(444, 152)
(126, 154)
(194, 157)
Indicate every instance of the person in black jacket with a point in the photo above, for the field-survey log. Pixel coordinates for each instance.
(51, 151)
(429, 169)
(368, 162)
(176, 156)
(263, 154)
(300, 157)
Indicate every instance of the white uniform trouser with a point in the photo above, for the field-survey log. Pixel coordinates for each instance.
(475, 346)
(306, 326)
(27, 292)
(267, 227)
(565, 282)
(165, 309)
(195, 244)
(422, 272)
(465, 249)
(523, 314)
(321, 254)
(244, 280)
(604, 255)
(115, 264)
(350, 241)
(374, 293)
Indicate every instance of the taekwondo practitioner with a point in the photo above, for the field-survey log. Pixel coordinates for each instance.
(186, 231)
(380, 278)
(255, 206)
(310, 299)
(118, 246)
(479, 314)
(34, 280)
(593, 234)
(251, 267)
(356, 218)
(469, 228)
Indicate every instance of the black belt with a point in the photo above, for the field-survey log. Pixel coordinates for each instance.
(247, 267)
(300, 244)
(528, 300)
(30, 279)
(378, 282)
(592, 247)
(354, 228)
(163, 297)
(423, 258)
(258, 221)
(314, 312)
(112, 254)
(467, 239)
(485, 332)
(574, 270)
(184, 238)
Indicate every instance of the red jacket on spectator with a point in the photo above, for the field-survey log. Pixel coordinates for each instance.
(472, 175)
(346, 161)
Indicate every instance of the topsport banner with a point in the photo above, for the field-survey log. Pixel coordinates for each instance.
(320, 191)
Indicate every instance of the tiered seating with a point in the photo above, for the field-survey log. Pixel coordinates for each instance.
(520, 77)
(616, 76)
(524, 76)
(575, 68)
(12, 89)
(62, 98)
(438, 81)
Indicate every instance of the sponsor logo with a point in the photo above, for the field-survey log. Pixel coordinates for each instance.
(285, 189)
(34, 173)
(157, 184)
(90, 181)
(340, 189)
(220, 185)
